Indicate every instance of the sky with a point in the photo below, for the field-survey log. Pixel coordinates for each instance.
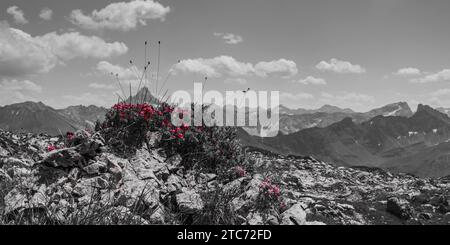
(349, 53)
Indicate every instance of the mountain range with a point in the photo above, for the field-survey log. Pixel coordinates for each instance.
(391, 137)
(300, 111)
(418, 144)
(294, 120)
(39, 118)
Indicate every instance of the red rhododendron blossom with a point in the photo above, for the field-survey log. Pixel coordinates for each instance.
(166, 123)
(51, 148)
(70, 135)
(185, 127)
(145, 111)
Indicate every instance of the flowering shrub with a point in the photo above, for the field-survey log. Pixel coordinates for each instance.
(270, 195)
(213, 149)
(127, 125)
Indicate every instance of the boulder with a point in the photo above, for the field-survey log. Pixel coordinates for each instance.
(174, 160)
(399, 207)
(174, 184)
(255, 219)
(4, 177)
(15, 201)
(139, 194)
(3, 152)
(295, 215)
(157, 216)
(87, 188)
(272, 220)
(145, 174)
(68, 157)
(73, 174)
(205, 178)
(95, 168)
(189, 202)
(14, 162)
(114, 161)
(40, 198)
(90, 147)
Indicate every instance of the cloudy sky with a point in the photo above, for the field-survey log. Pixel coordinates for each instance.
(349, 53)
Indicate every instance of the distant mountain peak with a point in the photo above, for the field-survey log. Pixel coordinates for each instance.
(143, 95)
(29, 105)
(429, 118)
(422, 107)
(327, 106)
(332, 109)
(428, 110)
(401, 109)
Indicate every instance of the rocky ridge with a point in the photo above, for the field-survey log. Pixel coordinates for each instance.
(90, 184)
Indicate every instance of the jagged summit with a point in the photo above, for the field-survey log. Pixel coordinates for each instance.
(395, 109)
(429, 118)
(144, 95)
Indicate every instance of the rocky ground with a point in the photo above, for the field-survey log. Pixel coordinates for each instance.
(90, 184)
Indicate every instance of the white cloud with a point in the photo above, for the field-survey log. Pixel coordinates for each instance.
(123, 16)
(236, 80)
(340, 66)
(409, 71)
(17, 14)
(226, 65)
(216, 67)
(14, 91)
(311, 80)
(282, 67)
(23, 54)
(229, 38)
(46, 14)
(73, 45)
(101, 86)
(443, 75)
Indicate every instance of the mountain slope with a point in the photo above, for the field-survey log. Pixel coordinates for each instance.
(35, 118)
(444, 110)
(370, 143)
(323, 109)
(84, 114)
(294, 121)
(401, 109)
(430, 162)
